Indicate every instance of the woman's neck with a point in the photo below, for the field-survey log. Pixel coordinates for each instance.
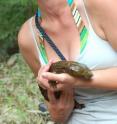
(52, 7)
(54, 11)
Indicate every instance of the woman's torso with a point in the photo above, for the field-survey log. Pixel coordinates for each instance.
(98, 54)
(66, 37)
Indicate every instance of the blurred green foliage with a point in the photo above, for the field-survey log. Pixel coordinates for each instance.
(13, 14)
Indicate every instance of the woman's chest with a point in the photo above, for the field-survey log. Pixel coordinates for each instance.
(68, 43)
(67, 39)
(98, 54)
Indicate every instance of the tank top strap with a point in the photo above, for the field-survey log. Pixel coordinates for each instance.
(86, 14)
(90, 28)
(82, 29)
(40, 56)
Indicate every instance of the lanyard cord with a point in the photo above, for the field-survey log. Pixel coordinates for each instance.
(48, 39)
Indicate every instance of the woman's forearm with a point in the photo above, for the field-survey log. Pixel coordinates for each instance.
(104, 79)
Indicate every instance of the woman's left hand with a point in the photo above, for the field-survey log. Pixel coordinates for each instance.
(64, 80)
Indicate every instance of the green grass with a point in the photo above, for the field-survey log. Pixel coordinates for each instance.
(19, 95)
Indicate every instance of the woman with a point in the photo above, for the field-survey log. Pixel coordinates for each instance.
(89, 38)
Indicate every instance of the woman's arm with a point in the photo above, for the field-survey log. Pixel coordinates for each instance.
(108, 78)
(27, 48)
(105, 79)
(102, 79)
(60, 109)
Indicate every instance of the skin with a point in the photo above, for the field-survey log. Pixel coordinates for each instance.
(103, 17)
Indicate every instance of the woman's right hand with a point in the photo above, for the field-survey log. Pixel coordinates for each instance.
(42, 82)
(60, 109)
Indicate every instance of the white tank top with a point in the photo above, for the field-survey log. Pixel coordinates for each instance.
(101, 105)
(98, 54)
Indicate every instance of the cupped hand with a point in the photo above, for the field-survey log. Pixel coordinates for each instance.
(61, 109)
(64, 81)
(43, 82)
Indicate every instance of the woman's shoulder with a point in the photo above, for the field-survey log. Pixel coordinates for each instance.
(24, 35)
(100, 5)
(105, 13)
(108, 20)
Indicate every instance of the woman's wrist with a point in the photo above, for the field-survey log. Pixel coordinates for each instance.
(90, 83)
(103, 79)
(81, 83)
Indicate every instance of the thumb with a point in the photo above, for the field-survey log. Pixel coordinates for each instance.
(48, 65)
(51, 97)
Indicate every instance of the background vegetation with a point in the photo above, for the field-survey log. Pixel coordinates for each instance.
(19, 93)
(13, 13)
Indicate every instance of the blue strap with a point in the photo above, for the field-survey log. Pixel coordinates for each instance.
(45, 36)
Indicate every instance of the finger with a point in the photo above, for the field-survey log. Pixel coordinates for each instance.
(42, 82)
(45, 84)
(52, 61)
(51, 97)
(59, 86)
(46, 68)
(62, 86)
(39, 77)
(67, 96)
(41, 85)
(55, 77)
(40, 71)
